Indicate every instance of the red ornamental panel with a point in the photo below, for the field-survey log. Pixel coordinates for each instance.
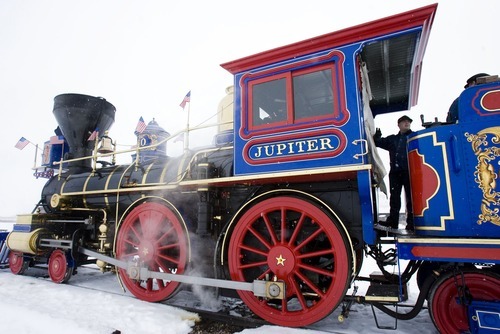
(424, 182)
(491, 101)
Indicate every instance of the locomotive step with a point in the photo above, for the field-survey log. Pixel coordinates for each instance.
(383, 293)
(397, 231)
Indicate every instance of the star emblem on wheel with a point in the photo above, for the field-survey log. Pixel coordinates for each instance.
(281, 260)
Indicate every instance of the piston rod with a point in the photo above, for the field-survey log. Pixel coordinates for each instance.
(267, 289)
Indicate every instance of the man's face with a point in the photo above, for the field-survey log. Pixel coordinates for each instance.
(404, 126)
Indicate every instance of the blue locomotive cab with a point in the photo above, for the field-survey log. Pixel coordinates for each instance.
(311, 104)
(454, 168)
(306, 109)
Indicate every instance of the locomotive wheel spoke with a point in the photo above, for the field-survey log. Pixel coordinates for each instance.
(263, 275)
(300, 297)
(260, 238)
(152, 234)
(310, 284)
(316, 270)
(253, 265)
(167, 258)
(166, 234)
(293, 240)
(270, 230)
(253, 250)
(311, 238)
(315, 254)
(297, 229)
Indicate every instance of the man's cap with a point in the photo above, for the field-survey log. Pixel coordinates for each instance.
(474, 77)
(404, 118)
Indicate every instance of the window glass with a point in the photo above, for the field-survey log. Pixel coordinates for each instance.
(313, 94)
(269, 102)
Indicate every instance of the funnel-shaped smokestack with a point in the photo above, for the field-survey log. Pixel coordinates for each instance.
(78, 116)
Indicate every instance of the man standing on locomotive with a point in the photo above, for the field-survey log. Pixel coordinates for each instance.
(398, 175)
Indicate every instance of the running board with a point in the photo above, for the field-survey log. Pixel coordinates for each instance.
(267, 289)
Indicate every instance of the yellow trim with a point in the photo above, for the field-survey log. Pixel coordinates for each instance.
(84, 189)
(229, 180)
(448, 183)
(106, 185)
(146, 172)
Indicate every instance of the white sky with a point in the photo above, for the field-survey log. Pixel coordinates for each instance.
(144, 56)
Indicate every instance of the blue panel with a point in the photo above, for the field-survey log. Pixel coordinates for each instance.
(454, 172)
(484, 317)
(309, 143)
(366, 200)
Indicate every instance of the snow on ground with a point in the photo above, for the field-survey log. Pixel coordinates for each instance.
(33, 304)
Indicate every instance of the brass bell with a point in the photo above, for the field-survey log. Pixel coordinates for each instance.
(106, 144)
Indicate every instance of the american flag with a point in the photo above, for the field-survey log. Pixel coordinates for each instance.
(94, 135)
(186, 99)
(179, 137)
(54, 140)
(22, 143)
(141, 125)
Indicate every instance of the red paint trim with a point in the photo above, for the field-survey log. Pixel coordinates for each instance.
(491, 101)
(340, 114)
(423, 16)
(493, 104)
(296, 157)
(456, 252)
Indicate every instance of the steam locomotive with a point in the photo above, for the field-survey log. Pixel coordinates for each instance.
(282, 207)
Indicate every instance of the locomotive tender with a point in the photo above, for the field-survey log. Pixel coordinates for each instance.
(282, 207)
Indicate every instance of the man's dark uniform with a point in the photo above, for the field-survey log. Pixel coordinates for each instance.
(398, 175)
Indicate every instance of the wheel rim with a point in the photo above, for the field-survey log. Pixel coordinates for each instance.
(295, 241)
(59, 270)
(449, 316)
(152, 234)
(17, 264)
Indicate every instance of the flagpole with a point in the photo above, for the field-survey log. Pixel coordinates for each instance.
(186, 141)
(36, 153)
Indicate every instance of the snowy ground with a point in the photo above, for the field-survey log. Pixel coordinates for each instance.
(31, 304)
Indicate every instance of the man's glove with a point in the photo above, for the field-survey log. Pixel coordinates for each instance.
(378, 134)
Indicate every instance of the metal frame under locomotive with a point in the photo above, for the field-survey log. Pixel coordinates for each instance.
(282, 209)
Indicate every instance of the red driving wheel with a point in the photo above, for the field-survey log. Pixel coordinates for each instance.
(293, 240)
(152, 234)
(59, 270)
(448, 315)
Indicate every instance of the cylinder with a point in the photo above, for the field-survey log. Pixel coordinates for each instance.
(25, 242)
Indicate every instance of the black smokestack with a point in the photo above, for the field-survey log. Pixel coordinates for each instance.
(78, 116)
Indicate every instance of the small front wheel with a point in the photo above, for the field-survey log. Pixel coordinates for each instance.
(60, 270)
(17, 263)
